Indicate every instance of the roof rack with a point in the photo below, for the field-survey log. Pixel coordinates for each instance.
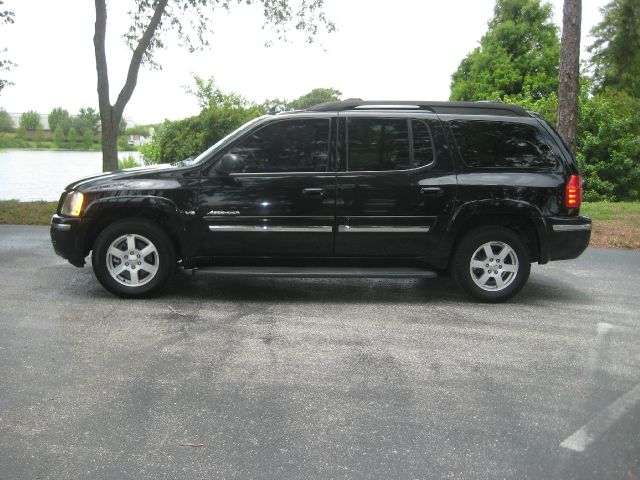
(469, 108)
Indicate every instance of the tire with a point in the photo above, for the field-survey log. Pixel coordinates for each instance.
(133, 258)
(491, 264)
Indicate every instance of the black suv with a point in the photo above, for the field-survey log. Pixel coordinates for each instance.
(345, 189)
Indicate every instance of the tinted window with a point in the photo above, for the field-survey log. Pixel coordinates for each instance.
(502, 144)
(377, 144)
(286, 146)
(422, 143)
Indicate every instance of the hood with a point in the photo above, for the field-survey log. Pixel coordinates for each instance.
(111, 179)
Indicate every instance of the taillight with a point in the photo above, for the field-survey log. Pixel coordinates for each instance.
(573, 192)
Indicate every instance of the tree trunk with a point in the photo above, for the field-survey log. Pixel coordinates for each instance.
(109, 146)
(569, 77)
(110, 115)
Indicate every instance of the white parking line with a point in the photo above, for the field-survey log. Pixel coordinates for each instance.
(590, 432)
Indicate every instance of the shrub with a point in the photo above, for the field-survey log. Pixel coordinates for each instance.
(72, 136)
(58, 135)
(87, 139)
(127, 162)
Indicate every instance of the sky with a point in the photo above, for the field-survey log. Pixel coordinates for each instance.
(400, 50)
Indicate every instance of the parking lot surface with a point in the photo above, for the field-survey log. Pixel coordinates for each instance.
(358, 378)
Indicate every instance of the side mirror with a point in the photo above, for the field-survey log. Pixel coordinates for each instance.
(229, 163)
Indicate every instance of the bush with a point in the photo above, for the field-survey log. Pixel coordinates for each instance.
(58, 135)
(72, 136)
(174, 141)
(127, 162)
(21, 133)
(87, 139)
(609, 146)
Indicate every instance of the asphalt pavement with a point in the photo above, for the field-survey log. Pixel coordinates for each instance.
(317, 378)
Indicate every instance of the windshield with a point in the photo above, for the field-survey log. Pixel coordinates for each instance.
(216, 146)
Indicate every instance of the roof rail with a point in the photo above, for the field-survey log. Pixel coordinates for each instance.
(469, 108)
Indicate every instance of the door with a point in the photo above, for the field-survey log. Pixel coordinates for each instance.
(279, 201)
(399, 187)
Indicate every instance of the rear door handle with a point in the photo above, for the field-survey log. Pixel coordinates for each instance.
(432, 191)
(313, 192)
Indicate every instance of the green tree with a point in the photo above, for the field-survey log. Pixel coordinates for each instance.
(6, 124)
(58, 135)
(59, 116)
(153, 21)
(616, 48)
(87, 139)
(87, 118)
(609, 146)
(520, 49)
(173, 141)
(72, 135)
(30, 121)
(21, 133)
(314, 97)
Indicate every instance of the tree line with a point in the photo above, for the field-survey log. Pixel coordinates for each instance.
(517, 62)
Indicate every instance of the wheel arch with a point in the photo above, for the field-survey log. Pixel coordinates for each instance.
(160, 211)
(521, 217)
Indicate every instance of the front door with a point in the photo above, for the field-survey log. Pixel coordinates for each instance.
(398, 188)
(280, 200)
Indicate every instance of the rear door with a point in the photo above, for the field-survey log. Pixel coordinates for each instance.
(397, 188)
(281, 200)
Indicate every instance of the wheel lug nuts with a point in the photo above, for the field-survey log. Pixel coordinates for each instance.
(139, 263)
(126, 264)
(496, 272)
(133, 267)
(491, 260)
(138, 256)
(130, 253)
(487, 265)
(499, 266)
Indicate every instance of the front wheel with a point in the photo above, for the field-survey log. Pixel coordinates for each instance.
(491, 264)
(133, 258)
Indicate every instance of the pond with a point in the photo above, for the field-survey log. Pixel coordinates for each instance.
(42, 174)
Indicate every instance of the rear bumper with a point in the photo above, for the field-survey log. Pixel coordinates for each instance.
(568, 237)
(67, 238)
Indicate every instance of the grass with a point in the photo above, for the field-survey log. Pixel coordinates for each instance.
(615, 225)
(26, 213)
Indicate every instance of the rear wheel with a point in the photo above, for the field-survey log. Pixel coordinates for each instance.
(133, 258)
(491, 264)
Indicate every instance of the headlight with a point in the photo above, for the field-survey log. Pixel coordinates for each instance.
(72, 205)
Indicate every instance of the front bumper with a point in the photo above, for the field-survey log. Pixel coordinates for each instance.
(568, 237)
(67, 236)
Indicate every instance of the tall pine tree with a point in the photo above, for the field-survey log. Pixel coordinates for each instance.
(616, 48)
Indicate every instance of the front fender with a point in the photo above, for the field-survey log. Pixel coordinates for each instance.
(178, 223)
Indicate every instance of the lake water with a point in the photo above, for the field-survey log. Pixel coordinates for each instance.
(42, 174)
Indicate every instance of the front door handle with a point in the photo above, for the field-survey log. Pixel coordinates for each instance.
(313, 192)
(432, 191)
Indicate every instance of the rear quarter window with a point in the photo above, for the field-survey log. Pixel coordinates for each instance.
(496, 144)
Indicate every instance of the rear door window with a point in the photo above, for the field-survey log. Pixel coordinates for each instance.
(378, 144)
(495, 144)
